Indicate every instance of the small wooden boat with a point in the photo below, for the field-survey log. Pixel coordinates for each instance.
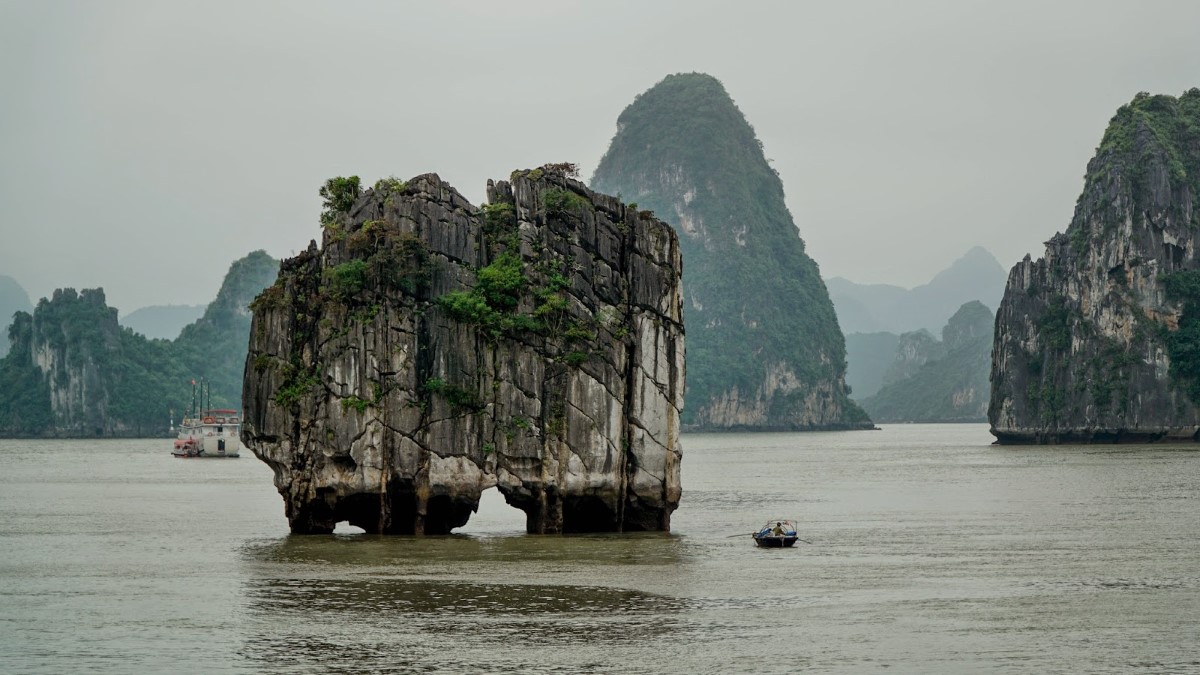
(776, 534)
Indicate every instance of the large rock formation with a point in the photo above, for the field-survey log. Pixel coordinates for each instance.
(430, 350)
(1098, 340)
(764, 348)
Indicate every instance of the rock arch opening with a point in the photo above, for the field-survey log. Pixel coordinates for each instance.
(495, 516)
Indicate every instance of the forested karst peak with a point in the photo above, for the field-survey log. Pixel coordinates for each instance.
(1150, 155)
(764, 347)
(687, 131)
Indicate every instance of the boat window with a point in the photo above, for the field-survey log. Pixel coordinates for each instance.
(220, 429)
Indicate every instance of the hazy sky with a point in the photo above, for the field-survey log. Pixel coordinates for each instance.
(144, 146)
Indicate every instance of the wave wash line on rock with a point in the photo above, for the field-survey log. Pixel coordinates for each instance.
(431, 349)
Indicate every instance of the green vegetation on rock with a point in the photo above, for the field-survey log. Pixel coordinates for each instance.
(491, 304)
(339, 194)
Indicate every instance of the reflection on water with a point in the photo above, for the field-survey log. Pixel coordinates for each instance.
(358, 550)
(380, 596)
(317, 604)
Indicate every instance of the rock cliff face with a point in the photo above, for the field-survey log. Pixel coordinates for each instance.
(1096, 341)
(429, 350)
(764, 348)
(72, 335)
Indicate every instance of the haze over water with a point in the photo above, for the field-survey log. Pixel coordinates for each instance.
(931, 551)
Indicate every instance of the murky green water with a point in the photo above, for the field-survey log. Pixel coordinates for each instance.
(932, 551)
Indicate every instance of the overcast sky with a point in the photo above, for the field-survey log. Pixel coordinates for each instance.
(144, 146)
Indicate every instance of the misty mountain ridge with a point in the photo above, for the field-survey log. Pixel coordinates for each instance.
(162, 322)
(13, 299)
(869, 356)
(873, 308)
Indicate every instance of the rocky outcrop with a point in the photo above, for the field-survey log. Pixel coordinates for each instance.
(429, 350)
(72, 337)
(1094, 341)
(764, 348)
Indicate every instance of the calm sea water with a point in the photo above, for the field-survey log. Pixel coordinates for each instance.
(931, 551)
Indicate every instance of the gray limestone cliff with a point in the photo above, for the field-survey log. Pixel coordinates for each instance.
(1096, 340)
(430, 350)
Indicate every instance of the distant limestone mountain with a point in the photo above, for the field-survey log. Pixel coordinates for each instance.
(162, 322)
(13, 299)
(216, 344)
(946, 381)
(868, 357)
(763, 346)
(913, 351)
(73, 371)
(872, 308)
(1099, 340)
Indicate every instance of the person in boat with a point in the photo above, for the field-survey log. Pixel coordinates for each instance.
(777, 531)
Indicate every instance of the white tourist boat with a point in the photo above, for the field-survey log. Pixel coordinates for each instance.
(212, 433)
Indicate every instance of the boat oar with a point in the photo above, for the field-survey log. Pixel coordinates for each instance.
(739, 535)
